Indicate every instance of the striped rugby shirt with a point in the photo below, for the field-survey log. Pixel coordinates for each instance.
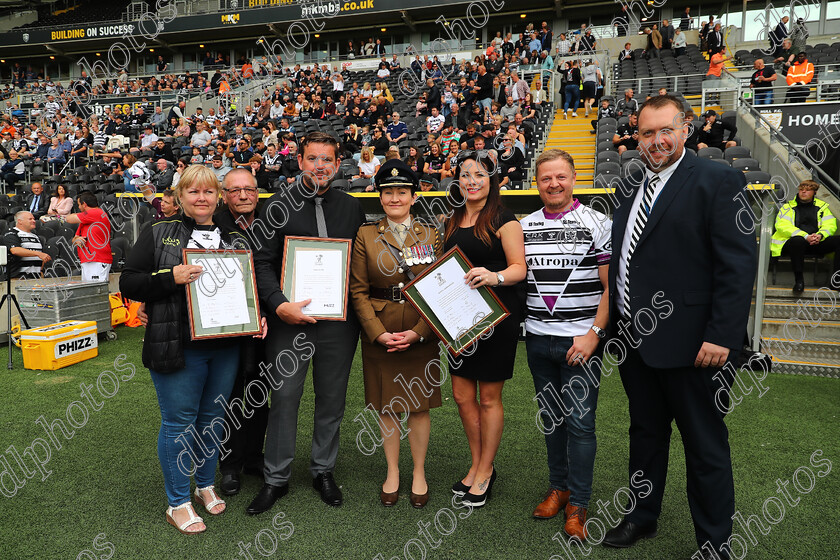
(28, 267)
(563, 253)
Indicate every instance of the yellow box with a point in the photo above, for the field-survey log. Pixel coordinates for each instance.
(56, 346)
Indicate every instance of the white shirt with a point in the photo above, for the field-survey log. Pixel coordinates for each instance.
(664, 176)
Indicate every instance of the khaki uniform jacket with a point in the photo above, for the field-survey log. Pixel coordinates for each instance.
(373, 265)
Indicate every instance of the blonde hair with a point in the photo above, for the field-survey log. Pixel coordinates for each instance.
(193, 174)
(367, 151)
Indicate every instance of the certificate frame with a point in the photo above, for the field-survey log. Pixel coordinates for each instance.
(246, 263)
(292, 245)
(456, 346)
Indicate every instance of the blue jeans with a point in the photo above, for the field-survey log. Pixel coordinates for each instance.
(188, 406)
(572, 93)
(128, 186)
(567, 396)
(763, 97)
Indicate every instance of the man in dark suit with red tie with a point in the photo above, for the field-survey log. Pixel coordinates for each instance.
(681, 282)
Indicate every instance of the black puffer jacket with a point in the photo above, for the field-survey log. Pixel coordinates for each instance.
(148, 278)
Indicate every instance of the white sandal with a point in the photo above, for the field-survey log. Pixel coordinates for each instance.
(189, 522)
(213, 503)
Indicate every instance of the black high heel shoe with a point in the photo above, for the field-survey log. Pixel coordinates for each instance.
(478, 500)
(459, 488)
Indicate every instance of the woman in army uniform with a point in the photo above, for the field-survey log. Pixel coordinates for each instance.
(396, 342)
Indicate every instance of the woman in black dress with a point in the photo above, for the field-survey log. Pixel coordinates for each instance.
(492, 239)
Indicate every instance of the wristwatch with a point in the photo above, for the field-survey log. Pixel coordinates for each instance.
(599, 331)
(500, 278)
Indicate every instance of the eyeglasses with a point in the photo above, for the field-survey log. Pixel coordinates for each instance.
(250, 191)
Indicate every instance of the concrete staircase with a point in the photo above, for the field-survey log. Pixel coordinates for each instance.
(802, 333)
(572, 135)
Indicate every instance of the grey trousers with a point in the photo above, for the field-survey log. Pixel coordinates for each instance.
(330, 346)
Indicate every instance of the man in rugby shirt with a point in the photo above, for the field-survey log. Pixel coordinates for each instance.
(26, 255)
(567, 250)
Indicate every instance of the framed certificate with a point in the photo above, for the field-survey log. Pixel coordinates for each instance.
(223, 301)
(457, 313)
(317, 268)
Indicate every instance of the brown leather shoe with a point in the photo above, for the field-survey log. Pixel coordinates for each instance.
(389, 499)
(554, 501)
(575, 521)
(419, 500)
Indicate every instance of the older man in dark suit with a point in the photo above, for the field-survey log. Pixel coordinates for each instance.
(681, 280)
(37, 202)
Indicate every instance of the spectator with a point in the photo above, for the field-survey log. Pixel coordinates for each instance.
(435, 162)
(434, 123)
(805, 226)
(414, 160)
(498, 94)
(627, 136)
(546, 37)
(511, 163)
(180, 167)
(509, 109)
(166, 206)
(219, 168)
(519, 88)
(654, 42)
(147, 142)
(397, 130)
(290, 168)
(785, 57)
(604, 111)
(433, 96)
(626, 53)
(679, 42)
(761, 83)
(36, 202)
(667, 33)
(708, 27)
(258, 172)
(564, 46)
(714, 41)
(686, 23)
(778, 35)
(711, 134)
(588, 44)
(368, 166)
(483, 88)
(592, 78)
(92, 239)
(60, 204)
(799, 36)
(535, 45)
(26, 255)
(621, 22)
(572, 90)
(162, 66)
(162, 178)
(13, 170)
(716, 63)
(798, 78)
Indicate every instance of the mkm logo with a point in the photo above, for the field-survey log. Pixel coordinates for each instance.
(230, 19)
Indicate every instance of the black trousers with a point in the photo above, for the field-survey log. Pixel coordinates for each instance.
(686, 395)
(798, 94)
(798, 247)
(247, 434)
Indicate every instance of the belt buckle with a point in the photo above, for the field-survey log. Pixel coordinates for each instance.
(396, 294)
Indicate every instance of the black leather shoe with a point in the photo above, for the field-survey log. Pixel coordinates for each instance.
(799, 286)
(229, 486)
(628, 533)
(266, 497)
(325, 484)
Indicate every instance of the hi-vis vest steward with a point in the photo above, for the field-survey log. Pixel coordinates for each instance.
(786, 225)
